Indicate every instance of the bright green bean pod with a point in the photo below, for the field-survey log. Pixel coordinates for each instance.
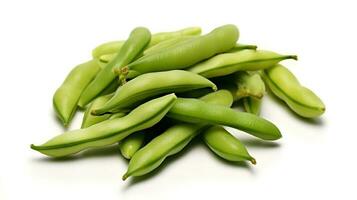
(197, 111)
(152, 84)
(137, 41)
(239, 47)
(249, 85)
(244, 60)
(187, 53)
(67, 95)
(109, 131)
(88, 119)
(172, 141)
(299, 98)
(114, 46)
(131, 144)
(166, 44)
(226, 145)
(252, 105)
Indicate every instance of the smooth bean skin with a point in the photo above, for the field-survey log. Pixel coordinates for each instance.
(137, 41)
(188, 53)
(152, 84)
(114, 46)
(244, 60)
(239, 47)
(166, 44)
(286, 86)
(225, 145)
(197, 111)
(109, 131)
(249, 85)
(88, 119)
(252, 105)
(172, 141)
(67, 95)
(131, 144)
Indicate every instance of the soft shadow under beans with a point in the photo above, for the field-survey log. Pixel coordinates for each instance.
(282, 104)
(252, 142)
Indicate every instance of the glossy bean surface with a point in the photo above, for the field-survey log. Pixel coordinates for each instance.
(225, 145)
(172, 141)
(152, 84)
(67, 95)
(286, 86)
(244, 60)
(197, 111)
(188, 53)
(137, 41)
(109, 131)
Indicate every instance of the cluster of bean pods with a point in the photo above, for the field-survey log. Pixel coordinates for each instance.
(152, 94)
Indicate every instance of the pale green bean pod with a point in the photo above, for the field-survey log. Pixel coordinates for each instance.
(109, 131)
(244, 60)
(172, 141)
(197, 111)
(152, 84)
(286, 86)
(187, 53)
(131, 144)
(115, 46)
(88, 118)
(226, 145)
(67, 95)
(137, 41)
(166, 44)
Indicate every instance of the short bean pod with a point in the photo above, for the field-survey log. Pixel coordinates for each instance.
(152, 84)
(226, 145)
(131, 144)
(137, 41)
(188, 53)
(67, 95)
(244, 60)
(109, 131)
(300, 99)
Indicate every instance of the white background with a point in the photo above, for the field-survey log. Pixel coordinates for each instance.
(40, 41)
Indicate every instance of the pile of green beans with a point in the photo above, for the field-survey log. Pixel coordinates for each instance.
(152, 94)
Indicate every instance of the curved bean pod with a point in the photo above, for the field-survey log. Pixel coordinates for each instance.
(188, 53)
(152, 84)
(299, 98)
(137, 41)
(67, 95)
(109, 131)
(131, 144)
(197, 111)
(244, 60)
(88, 119)
(226, 145)
(172, 141)
(114, 46)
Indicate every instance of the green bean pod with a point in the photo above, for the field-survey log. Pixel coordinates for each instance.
(249, 85)
(239, 47)
(287, 87)
(166, 44)
(88, 119)
(252, 105)
(67, 95)
(226, 145)
(137, 41)
(172, 141)
(187, 53)
(197, 111)
(109, 131)
(131, 144)
(244, 60)
(152, 84)
(114, 46)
